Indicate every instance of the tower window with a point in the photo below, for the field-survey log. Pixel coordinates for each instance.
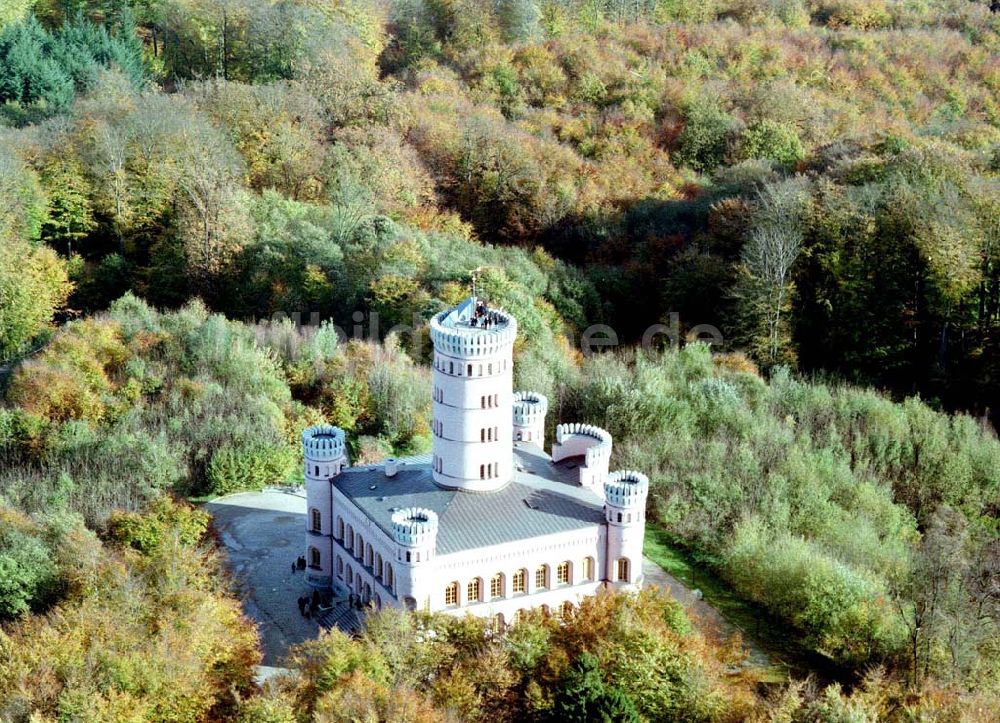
(482, 401)
(518, 583)
(482, 435)
(623, 569)
(314, 559)
(489, 369)
(451, 594)
(451, 367)
(562, 573)
(470, 371)
(482, 471)
(619, 516)
(542, 577)
(316, 520)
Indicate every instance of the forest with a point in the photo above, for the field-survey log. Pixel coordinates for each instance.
(224, 220)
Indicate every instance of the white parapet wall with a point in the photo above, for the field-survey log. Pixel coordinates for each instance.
(587, 441)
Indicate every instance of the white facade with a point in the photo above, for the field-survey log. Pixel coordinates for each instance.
(395, 556)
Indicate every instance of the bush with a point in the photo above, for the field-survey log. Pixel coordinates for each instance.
(28, 574)
(249, 466)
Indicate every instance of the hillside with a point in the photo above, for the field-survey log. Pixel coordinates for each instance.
(221, 222)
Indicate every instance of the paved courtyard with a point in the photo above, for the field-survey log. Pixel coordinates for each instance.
(263, 534)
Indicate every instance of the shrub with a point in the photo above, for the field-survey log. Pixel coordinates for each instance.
(248, 466)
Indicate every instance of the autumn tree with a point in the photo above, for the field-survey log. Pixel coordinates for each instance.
(767, 260)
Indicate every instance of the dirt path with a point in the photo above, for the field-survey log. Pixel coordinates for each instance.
(707, 618)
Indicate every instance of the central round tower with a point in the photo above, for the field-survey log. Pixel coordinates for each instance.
(473, 388)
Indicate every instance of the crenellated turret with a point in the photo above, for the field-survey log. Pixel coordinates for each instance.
(626, 490)
(625, 495)
(324, 455)
(529, 410)
(473, 388)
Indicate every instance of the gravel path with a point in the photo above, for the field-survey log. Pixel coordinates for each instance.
(263, 534)
(708, 619)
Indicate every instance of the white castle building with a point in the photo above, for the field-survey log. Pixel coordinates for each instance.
(489, 523)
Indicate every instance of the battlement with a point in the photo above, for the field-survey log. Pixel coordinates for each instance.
(414, 526)
(323, 443)
(529, 408)
(626, 489)
(576, 436)
(466, 332)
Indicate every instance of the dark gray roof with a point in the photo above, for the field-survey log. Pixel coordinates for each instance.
(543, 498)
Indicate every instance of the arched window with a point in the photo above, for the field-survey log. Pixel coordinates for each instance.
(378, 601)
(519, 436)
(542, 577)
(340, 566)
(517, 617)
(314, 559)
(378, 565)
(482, 402)
(317, 471)
(390, 580)
(470, 371)
(340, 528)
(496, 586)
(623, 569)
(520, 581)
(474, 590)
(350, 576)
(482, 471)
(562, 573)
(451, 594)
(482, 435)
(350, 538)
(498, 625)
(315, 520)
(369, 555)
(588, 568)
(489, 368)
(359, 549)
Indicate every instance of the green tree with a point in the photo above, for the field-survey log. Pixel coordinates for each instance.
(27, 571)
(582, 696)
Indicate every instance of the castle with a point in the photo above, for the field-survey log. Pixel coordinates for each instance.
(489, 523)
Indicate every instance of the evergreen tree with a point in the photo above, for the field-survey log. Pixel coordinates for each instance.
(583, 696)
